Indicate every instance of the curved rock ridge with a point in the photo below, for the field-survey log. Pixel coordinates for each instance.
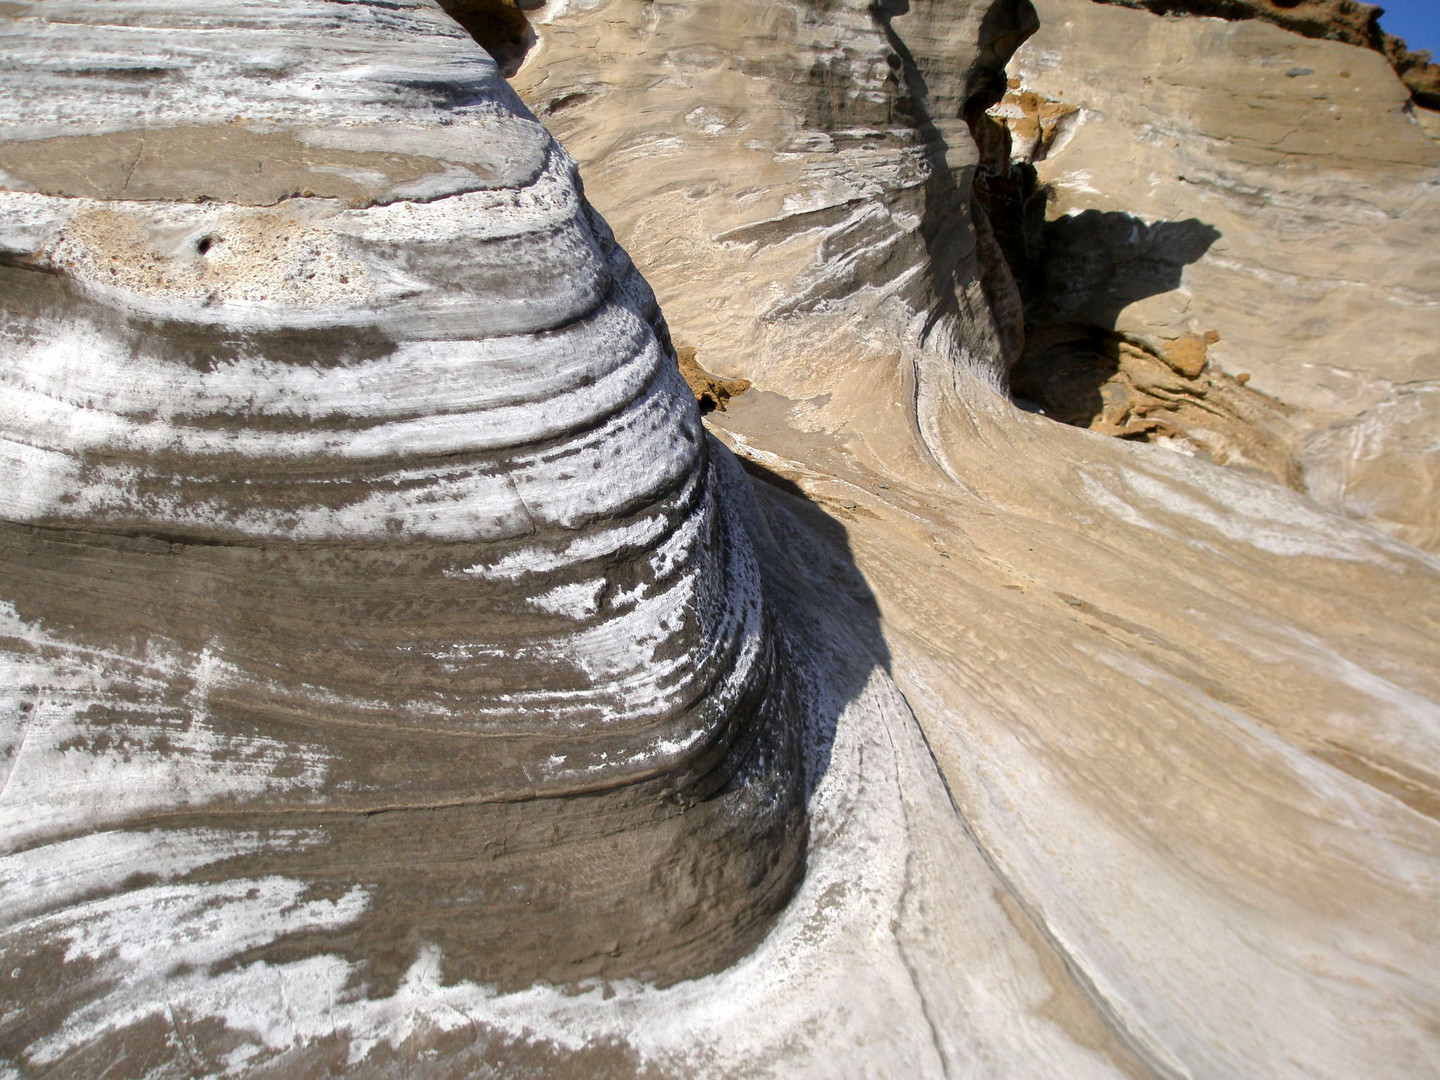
(814, 159)
(1118, 763)
(369, 585)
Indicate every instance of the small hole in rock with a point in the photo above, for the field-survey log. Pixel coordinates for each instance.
(203, 244)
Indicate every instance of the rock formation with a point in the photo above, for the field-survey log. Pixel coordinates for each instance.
(1117, 761)
(1334, 20)
(369, 586)
(1181, 715)
(1271, 190)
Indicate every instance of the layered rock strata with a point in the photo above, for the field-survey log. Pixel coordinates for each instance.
(371, 594)
(1121, 763)
(1274, 190)
(821, 161)
(1144, 780)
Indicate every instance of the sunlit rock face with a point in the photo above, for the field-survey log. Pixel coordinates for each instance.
(809, 162)
(1119, 762)
(369, 586)
(1272, 192)
(1165, 766)
(1349, 21)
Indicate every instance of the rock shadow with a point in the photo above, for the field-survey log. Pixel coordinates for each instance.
(498, 26)
(1090, 267)
(823, 603)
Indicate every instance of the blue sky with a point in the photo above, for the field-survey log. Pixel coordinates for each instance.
(1417, 21)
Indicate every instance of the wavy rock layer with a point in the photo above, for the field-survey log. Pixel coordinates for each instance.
(369, 586)
(1155, 790)
(1122, 764)
(819, 160)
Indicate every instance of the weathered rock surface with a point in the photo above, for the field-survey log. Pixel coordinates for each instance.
(1231, 176)
(1334, 20)
(1165, 767)
(819, 163)
(1119, 763)
(372, 599)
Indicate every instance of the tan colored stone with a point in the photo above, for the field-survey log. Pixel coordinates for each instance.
(1303, 160)
(1186, 355)
(711, 391)
(240, 164)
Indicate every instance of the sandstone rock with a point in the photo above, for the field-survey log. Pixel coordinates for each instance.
(1335, 20)
(1232, 175)
(1118, 762)
(1150, 820)
(711, 391)
(821, 173)
(1380, 466)
(373, 601)
(1186, 355)
(1034, 123)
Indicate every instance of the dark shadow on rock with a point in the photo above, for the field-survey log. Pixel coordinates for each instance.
(822, 602)
(946, 227)
(1091, 266)
(1096, 263)
(498, 26)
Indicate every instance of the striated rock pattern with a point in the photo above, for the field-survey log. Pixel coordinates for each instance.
(1117, 762)
(821, 159)
(371, 595)
(1143, 779)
